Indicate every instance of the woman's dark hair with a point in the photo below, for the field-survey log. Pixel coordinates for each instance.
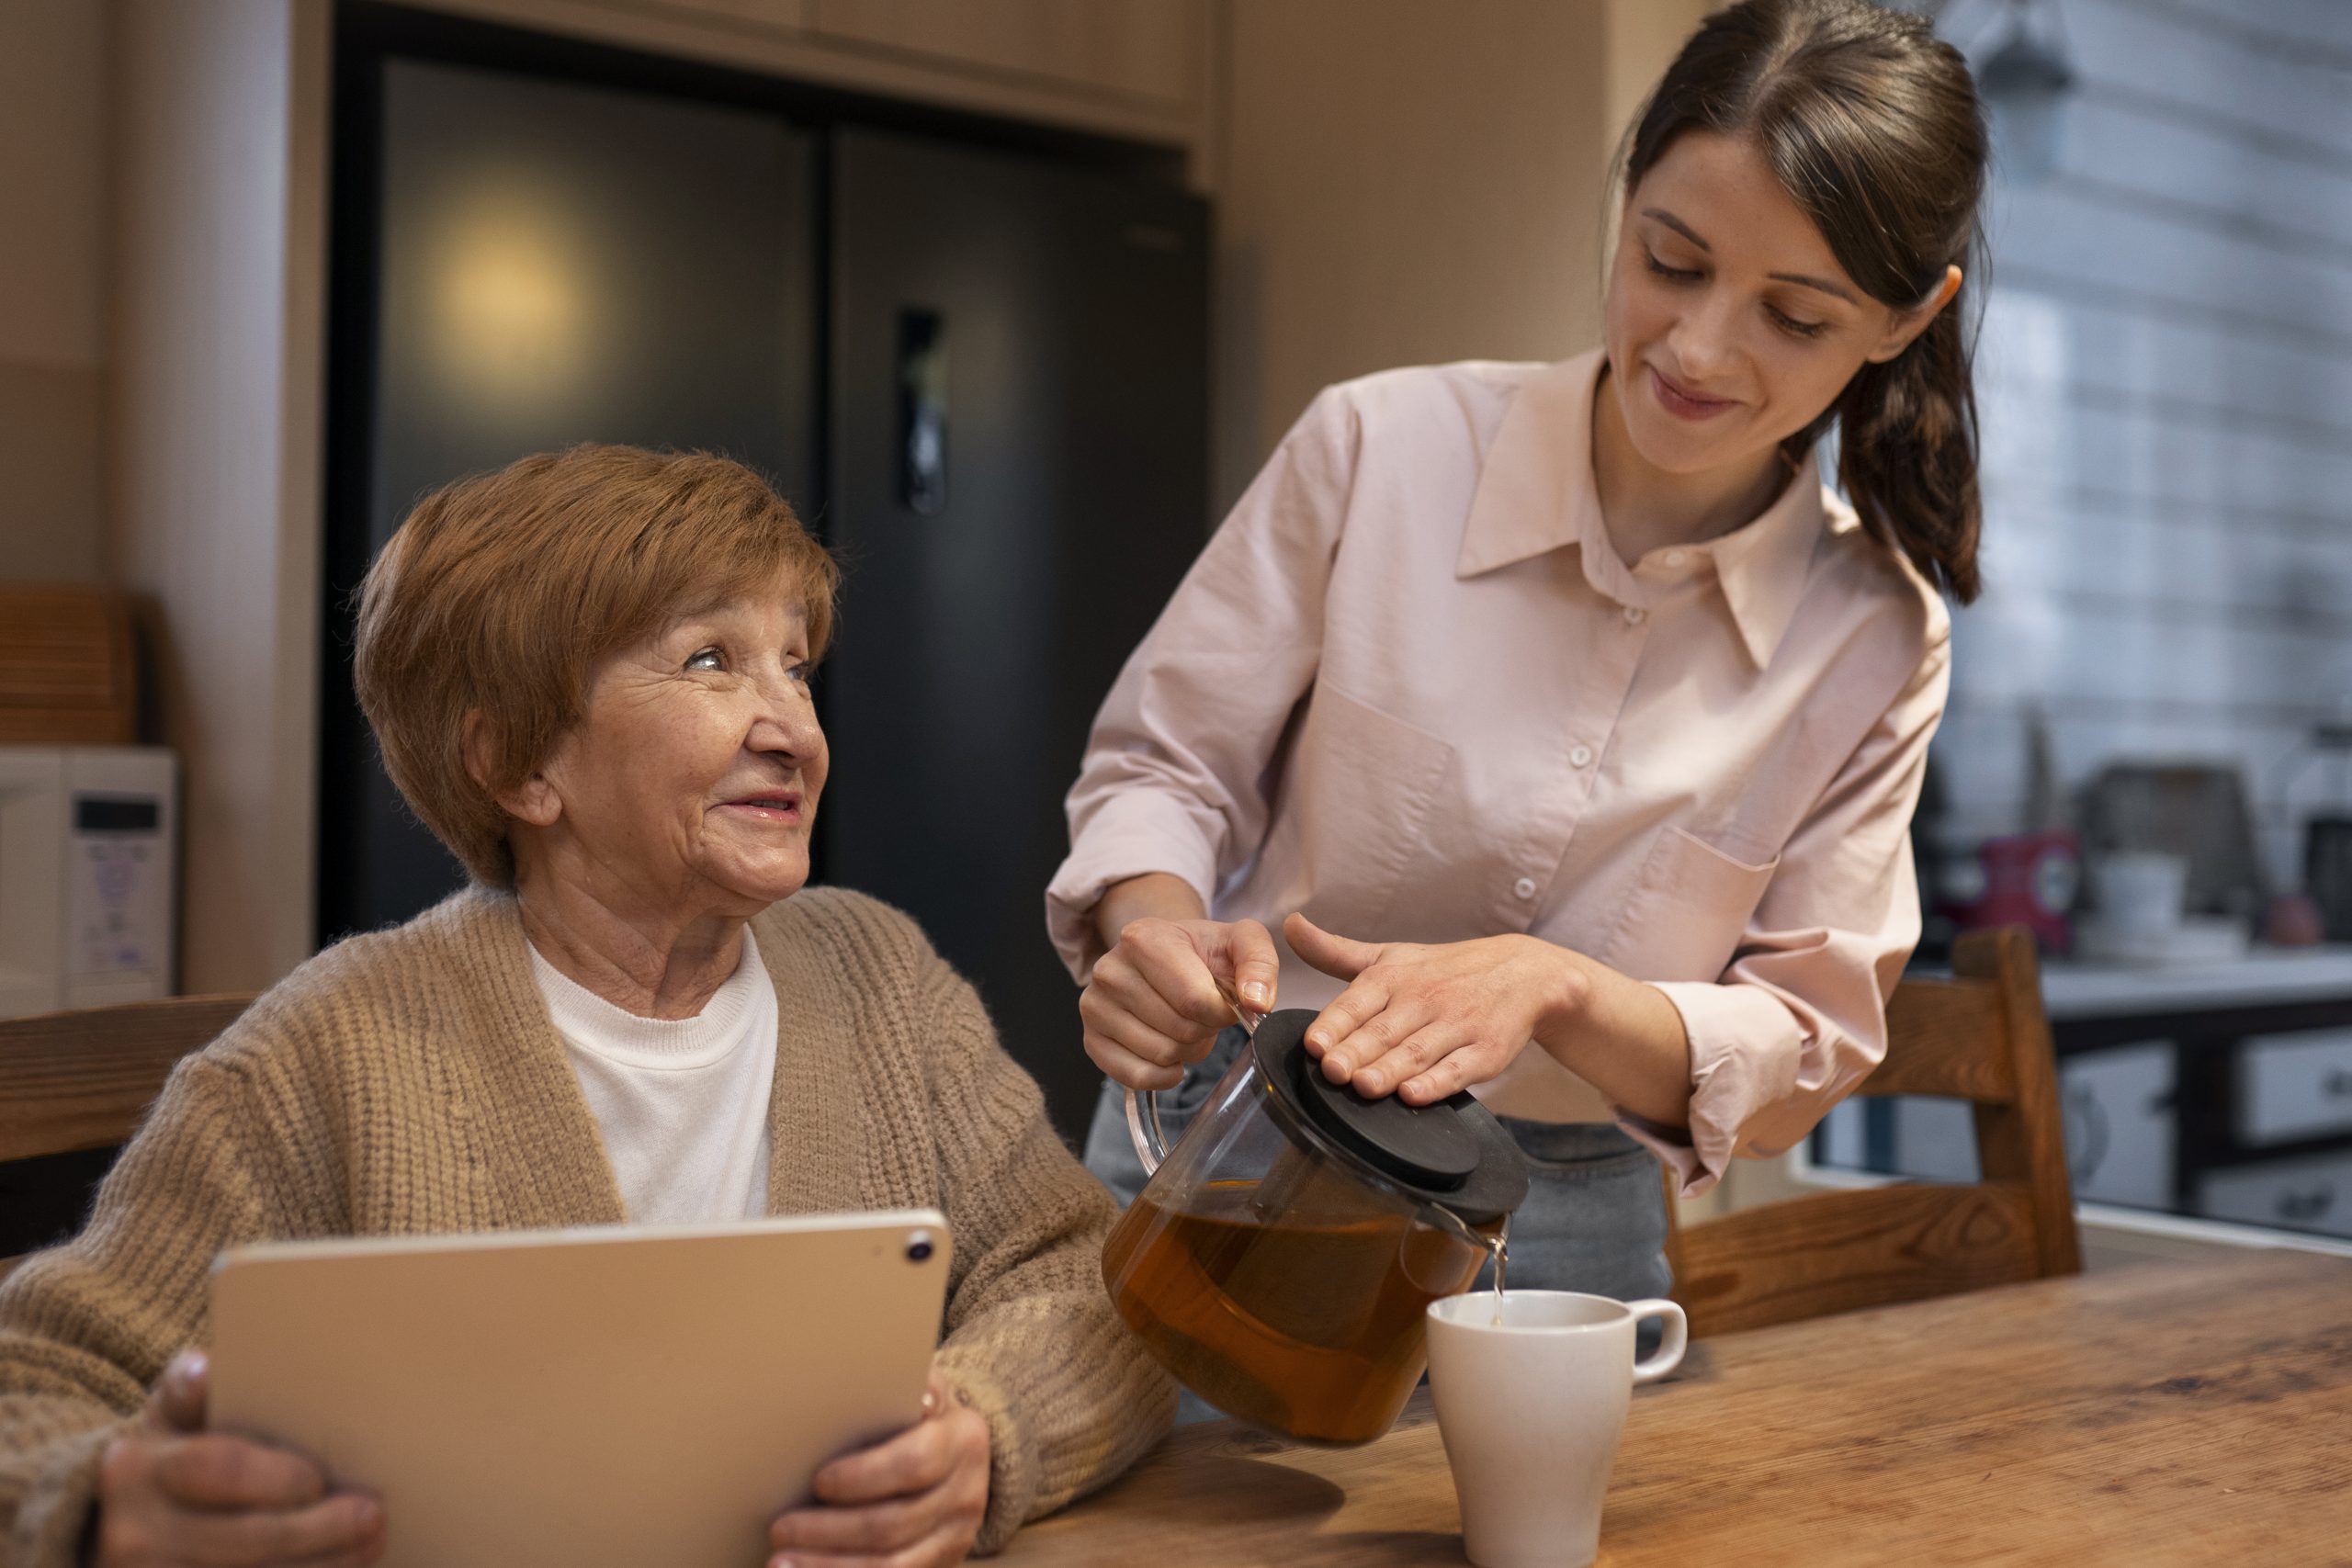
(1873, 124)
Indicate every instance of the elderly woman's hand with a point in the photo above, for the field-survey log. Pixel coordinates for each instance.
(913, 1502)
(171, 1492)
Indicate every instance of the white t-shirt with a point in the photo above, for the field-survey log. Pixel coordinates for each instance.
(683, 1103)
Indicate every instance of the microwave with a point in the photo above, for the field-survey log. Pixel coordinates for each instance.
(89, 855)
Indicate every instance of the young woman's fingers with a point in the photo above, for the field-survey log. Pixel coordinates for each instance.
(1128, 1070)
(1139, 1040)
(1342, 958)
(1413, 1054)
(1177, 972)
(1355, 1027)
(1253, 962)
(1123, 990)
(1456, 1071)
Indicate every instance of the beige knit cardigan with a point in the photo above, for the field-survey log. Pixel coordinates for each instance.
(409, 1082)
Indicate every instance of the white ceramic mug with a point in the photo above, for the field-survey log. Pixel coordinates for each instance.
(2140, 893)
(1531, 1391)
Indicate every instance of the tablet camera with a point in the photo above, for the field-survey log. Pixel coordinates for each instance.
(918, 1248)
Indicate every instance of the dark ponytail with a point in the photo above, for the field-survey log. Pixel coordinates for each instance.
(1873, 124)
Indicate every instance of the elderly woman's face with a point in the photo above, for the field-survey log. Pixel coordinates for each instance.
(694, 775)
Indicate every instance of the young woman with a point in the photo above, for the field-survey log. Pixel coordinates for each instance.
(1564, 725)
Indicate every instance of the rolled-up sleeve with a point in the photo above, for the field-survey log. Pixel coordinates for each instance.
(1799, 1018)
(1173, 777)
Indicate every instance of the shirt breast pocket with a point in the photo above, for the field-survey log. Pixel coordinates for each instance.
(1366, 783)
(1689, 911)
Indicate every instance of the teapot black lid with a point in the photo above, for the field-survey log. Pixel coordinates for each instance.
(1452, 1152)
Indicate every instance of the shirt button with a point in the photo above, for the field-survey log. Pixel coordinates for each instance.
(1634, 615)
(1581, 756)
(1524, 887)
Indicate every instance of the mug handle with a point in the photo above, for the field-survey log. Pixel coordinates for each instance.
(1669, 1353)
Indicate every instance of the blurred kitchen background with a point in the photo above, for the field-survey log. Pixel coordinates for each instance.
(1011, 298)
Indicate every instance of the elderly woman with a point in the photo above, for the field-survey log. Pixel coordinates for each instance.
(589, 675)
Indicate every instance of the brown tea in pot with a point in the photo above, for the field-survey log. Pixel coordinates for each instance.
(1300, 1324)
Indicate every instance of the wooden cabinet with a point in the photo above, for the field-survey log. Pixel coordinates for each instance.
(782, 15)
(1135, 69)
(1154, 50)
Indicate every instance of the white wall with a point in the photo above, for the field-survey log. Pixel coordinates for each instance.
(2166, 384)
(221, 132)
(52, 290)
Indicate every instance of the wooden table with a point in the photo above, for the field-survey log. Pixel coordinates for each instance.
(2150, 1415)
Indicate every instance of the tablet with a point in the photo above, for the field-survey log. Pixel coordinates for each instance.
(605, 1398)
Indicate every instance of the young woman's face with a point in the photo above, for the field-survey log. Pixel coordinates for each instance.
(1730, 324)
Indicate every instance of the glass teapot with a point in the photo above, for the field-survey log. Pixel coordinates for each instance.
(1278, 1260)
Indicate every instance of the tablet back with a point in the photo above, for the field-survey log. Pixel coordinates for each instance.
(609, 1398)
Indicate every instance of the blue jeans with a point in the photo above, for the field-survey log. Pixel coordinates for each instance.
(1594, 1219)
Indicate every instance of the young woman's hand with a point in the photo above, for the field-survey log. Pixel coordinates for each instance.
(1154, 1002)
(1422, 1022)
(916, 1501)
(171, 1492)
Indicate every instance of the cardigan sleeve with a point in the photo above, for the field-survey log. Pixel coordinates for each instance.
(1032, 1342)
(86, 1328)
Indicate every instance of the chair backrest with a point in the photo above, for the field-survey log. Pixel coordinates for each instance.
(1982, 1037)
(81, 1079)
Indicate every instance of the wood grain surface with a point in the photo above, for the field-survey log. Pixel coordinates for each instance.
(2153, 1415)
(82, 1079)
(66, 675)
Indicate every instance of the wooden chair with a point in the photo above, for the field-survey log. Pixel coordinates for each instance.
(82, 1079)
(1981, 1037)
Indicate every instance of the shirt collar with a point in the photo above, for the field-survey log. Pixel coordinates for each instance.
(1536, 493)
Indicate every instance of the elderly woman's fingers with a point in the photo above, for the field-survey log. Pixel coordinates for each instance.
(137, 1522)
(347, 1525)
(916, 1500)
(915, 1461)
(214, 1470)
(177, 1403)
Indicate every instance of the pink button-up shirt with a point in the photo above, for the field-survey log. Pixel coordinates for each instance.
(1411, 688)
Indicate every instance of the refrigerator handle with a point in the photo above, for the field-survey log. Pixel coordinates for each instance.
(922, 411)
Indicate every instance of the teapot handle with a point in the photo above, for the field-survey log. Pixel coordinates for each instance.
(1143, 1109)
(1143, 1127)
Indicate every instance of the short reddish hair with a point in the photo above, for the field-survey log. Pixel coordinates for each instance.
(501, 591)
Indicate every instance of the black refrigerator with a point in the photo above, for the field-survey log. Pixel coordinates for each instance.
(974, 365)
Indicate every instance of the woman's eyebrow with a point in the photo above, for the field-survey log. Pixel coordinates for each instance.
(1679, 227)
(1821, 283)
